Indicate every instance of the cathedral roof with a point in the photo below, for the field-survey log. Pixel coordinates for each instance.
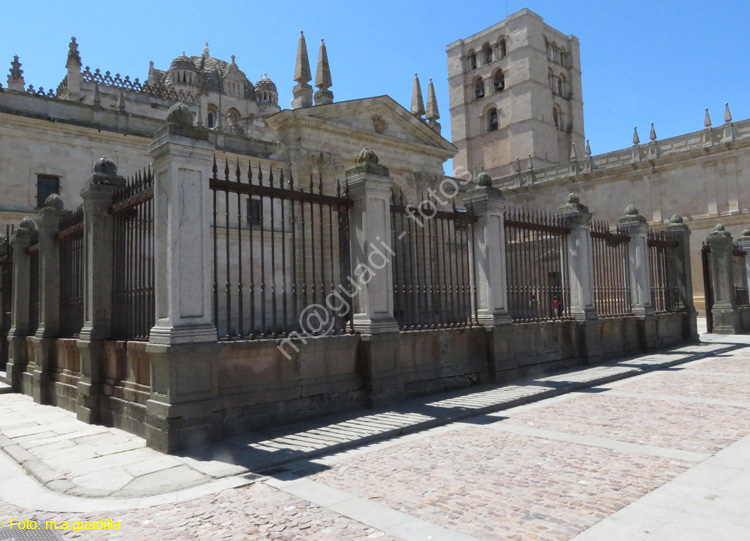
(265, 84)
(183, 62)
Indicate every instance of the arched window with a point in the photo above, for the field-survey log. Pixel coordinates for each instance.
(551, 78)
(478, 88)
(502, 48)
(556, 117)
(211, 117)
(498, 81)
(493, 121)
(233, 117)
(561, 85)
(472, 60)
(486, 54)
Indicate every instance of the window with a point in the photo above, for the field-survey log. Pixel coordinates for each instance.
(487, 54)
(472, 61)
(478, 88)
(561, 85)
(46, 185)
(254, 212)
(558, 118)
(498, 81)
(211, 119)
(502, 48)
(493, 123)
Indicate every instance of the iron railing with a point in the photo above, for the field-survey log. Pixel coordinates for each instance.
(34, 283)
(133, 312)
(433, 273)
(280, 255)
(536, 256)
(6, 292)
(740, 277)
(72, 273)
(611, 264)
(662, 260)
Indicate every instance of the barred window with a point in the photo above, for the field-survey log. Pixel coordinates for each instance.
(254, 212)
(46, 185)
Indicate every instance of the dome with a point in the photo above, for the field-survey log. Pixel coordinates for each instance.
(265, 84)
(183, 62)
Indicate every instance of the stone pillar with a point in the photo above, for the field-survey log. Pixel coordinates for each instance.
(183, 408)
(97, 224)
(488, 251)
(724, 310)
(681, 233)
(580, 268)
(743, 243)
(370, 188)
(20, 316)
(636, 228)
(49, 299)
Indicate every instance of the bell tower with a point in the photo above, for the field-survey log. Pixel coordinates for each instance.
(515, 96)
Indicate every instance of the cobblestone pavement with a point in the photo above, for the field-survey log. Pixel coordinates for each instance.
(667, 450)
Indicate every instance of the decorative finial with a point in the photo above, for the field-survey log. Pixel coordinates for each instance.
(588, 148)
(97, 96)
(431, 112)
(302, 66)
(27, 223)
(417, 103)
(183, 52)
(707, 119)
(652, 136)
(573, 155)
(121, 101)
(484, 179)
(636, 139)
(323, 73)
(719, 228)
(676, 219)
(205, 49)
(180, 114)
(727, 113)
(74, 58)
(631, 210)
(54, 201)
(232, 57)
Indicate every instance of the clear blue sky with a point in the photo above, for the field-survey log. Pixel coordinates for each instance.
(642, 61)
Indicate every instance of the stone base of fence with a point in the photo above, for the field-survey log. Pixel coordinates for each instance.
(193, 394)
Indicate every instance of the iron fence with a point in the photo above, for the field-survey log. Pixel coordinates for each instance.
(6, 292)
(611, 264)
(133, 312)
(739, 269)
(536, 258)
(34, 283)
(72, 273)
(433, 273)
(662, 260)
(279, 252)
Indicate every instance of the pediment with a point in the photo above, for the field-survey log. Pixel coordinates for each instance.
(378, 117)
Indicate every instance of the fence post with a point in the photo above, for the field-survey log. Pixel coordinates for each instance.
(182, 369)
(370, 186)
(681, 233)
(635, 226)
(97, 197)
(725, 313)
(488, 205)
(48, 225)
(580, 267)
(21, 324)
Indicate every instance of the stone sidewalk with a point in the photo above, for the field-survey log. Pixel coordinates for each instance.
(72, 458)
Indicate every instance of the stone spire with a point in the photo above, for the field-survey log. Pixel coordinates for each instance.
(417, 104)
(431, 113)
(323, 77)
(652, 136)
(74, 59)
(15, 79)
(727, 113)
(707, 120)
(636, 139)
(302, 91)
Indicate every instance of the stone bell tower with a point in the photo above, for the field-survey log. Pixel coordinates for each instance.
(515, 96)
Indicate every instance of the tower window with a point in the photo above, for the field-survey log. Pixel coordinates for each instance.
(478, 88)
(493, 120)
(502, 48)
(498, 81)
(487, 54)
(472, 61)
(46, 185)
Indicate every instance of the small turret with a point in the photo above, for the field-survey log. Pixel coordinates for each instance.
(15, 79)
(417, 103)
(302, 91)
(323, 81)
(74, 77)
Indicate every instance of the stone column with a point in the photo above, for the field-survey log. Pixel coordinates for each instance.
(681, 233)
(636, 228)
(724, 310)
(97, 225)
(49, 299)
(183, 408)
(743, 243)
(580, 267)
(20, 316)
(370, 189)
(488, 205)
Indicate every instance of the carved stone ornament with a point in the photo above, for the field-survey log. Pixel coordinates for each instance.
(379, 124)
